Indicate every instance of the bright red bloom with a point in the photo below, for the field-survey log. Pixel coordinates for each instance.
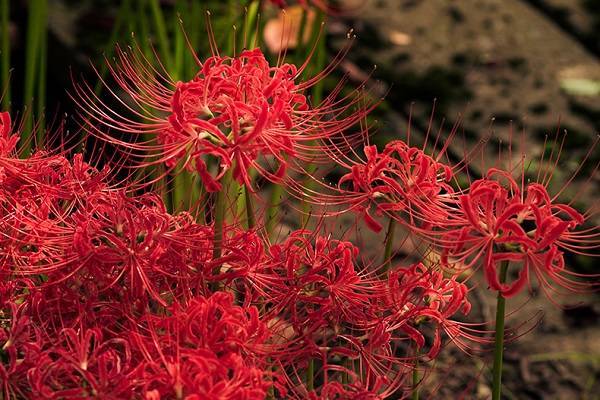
(81, 364)
(400, 181)
(520, 225)
(136, 244)
(20, 350)
(238, 111)
(207, 349)
(8, 141)
(422, 296)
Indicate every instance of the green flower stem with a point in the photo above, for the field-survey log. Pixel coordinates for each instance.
(161, 33)
(250, 23)
(389, 242)
(123, 14)
(179, 50)
(310, 375)
(220, 208)
(499, 339)
(415, 381)
(32, 55)
(251, 220)
(42, 68)
(5, 54)
(318, 62)
(273, 208)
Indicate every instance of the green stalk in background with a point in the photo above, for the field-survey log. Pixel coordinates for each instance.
(161, 34)
(141, 27)
(317, 64)
(42, 71)
(182, 181)
(310, 375)
(250, 23)
(36, 22)
(273, 208)
(415, 381)
(251, 219)
(389, 241)
(499, 339)
(5, 54)
(220, 208)
(124, 14)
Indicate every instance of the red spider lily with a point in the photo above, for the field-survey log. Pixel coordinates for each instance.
(135, 243)
(322, 307)
(319, 283)
(338, 391)
(81, 364)
(20, 350)
(207, 349)
(401, 181)
(236, 110)
(518, 224)
(243, 266)
(8, 142)
(419, 295)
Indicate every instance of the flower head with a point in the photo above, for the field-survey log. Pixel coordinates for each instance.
(237, 113)
(503, 222)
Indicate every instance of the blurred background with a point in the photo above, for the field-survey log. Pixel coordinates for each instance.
(484, 65)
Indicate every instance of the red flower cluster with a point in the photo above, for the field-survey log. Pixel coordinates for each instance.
(401, 181)
(106, 293)
(237, 112)
(321, 306)
(208, 348)
(500, 221)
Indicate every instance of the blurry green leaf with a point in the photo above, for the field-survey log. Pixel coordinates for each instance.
(581, 87)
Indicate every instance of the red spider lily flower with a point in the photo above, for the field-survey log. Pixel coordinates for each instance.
(81, 364)
(244, 267)
(240, 112)
(135, 243)
(400, 181)
(522, 225)
(206, 349)
(20, 350)
(419, 296)
(337, 391)
(323, 307)
(8, 142)
(320, 285)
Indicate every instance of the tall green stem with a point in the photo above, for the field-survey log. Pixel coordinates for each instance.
(272, 209)
(310, 375)
(123, 14)
(42, 68)
(34, 24)
(389, 242)
(220, 208)
(161, 34)
(415, 381)
(499, 339)
(249, 208)
(5, 54)
(318, 63)
(250, 23)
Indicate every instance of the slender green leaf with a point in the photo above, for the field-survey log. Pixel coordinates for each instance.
(5, 54)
